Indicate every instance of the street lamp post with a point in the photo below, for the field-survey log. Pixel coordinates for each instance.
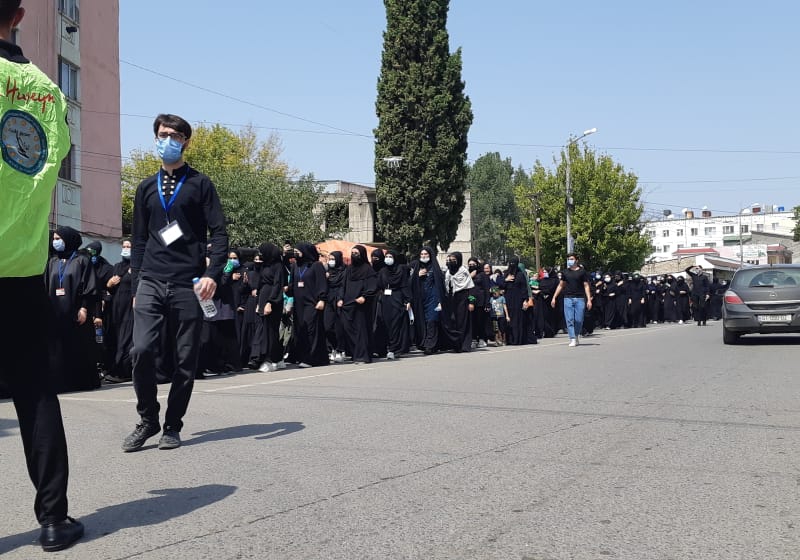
(536, 221)
(570, 242)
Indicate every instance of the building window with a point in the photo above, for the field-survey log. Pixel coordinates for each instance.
(665, 233)
(774, 226)
(710, 230)
(67, 170)
(759, 227)
(744, 229)
(693, 245)
(666, 249)
(712, 245)
(693, 231)
(679, 233)
(680, 246)
(651, 233)
(68, 80)
(70, 8)
(727, 230)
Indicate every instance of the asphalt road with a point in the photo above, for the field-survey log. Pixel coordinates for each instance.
(657, 443)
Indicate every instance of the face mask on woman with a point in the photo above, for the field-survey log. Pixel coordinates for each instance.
(389, 261)
(125, 253)
(424, 260)
(58, 245)
(355, 258)
(332, 263)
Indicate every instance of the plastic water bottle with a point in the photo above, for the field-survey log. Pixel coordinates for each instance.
(207, 305)
(98, 335)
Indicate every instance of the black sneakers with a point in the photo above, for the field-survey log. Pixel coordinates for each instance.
(170, 439)
(60, 535)
(139, 435)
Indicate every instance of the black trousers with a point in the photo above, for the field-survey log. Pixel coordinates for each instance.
(24, 369)
(699, 306)
(164, 304)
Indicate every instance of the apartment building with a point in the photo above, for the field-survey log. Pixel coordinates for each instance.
(76, 43)
(724, 233)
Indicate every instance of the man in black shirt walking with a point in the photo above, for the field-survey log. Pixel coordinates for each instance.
(577, 297)
(701, 293)
(174, 211)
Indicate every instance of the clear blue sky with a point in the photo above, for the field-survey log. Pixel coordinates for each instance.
(699, 99)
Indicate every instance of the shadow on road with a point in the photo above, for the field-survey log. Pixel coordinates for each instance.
(167, 504)
(768, 340)
(256, 431)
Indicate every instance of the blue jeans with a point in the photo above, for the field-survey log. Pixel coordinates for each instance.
(574, 308)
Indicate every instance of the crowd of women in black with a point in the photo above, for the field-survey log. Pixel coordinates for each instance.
(278, 305)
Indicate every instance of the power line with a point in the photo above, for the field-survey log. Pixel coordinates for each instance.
(240, 100)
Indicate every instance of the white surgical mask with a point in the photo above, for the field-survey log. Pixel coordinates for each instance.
(58, 245)
(425, 260)
(607, 279)
(125, 253)
(570, 262)
(332, 264)
(389, 261)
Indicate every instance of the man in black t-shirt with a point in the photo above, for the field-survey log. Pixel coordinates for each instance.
(577, 297)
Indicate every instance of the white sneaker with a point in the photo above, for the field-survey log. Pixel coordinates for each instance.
(577, 340)
(304, 365)
(572, 342)
(474, 344)
(339, 357)
(482, 344)
(264, 367)
(280, 365)
(390, 355)
(680, 322)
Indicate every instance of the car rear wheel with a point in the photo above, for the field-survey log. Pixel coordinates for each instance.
(730, 337)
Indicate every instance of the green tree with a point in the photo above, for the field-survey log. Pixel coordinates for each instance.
(260, 199)
(606, 220)
(423, 116)
(491, 187)
(796, 230)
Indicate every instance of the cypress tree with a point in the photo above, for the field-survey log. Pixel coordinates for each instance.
(424, 117)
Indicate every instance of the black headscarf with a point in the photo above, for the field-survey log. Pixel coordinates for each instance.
(377, 265)
(309, 253)
(336, 273)
(513, 266)
(393, 275)
(72, 239)
(432, 262)
(270, 253)
(363, 270)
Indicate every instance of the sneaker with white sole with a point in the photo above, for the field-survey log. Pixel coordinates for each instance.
(338, 358)
(390, 355)
(264, 367)
(482, 344)
(572, 342)
(280, 365)
(577, 340)
(304, 365)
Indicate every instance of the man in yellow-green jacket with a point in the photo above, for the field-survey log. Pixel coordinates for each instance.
(34, 138)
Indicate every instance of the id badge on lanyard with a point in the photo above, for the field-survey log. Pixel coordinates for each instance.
(172, 231)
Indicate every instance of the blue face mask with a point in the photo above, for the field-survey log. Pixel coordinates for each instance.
(570, 262)
(234, 263)
(58, 245)
(169, 150)
(94, 260)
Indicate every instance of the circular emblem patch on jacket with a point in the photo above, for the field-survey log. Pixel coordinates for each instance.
(23, 142)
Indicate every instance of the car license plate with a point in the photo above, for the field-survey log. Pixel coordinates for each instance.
(775, 318)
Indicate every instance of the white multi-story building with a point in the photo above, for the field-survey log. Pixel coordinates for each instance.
(689, 231)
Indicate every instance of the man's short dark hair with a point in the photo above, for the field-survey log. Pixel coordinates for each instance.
(8, 9)
(171, 121)
(573, 255)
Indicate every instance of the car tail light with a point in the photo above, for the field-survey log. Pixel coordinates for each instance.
(733, 297)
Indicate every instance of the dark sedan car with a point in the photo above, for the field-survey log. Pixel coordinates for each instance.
(762, 299)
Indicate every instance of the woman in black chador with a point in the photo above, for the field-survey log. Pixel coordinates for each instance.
(334, 331)
(516, 293)
(394, 293)
(458, 304)
(72, 290)
(357, 304)
(309, 288)
(379, 336)
(427, 295)
(120, 317)
(271, 281)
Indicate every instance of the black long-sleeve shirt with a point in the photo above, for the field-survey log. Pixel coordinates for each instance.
(198, 211)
